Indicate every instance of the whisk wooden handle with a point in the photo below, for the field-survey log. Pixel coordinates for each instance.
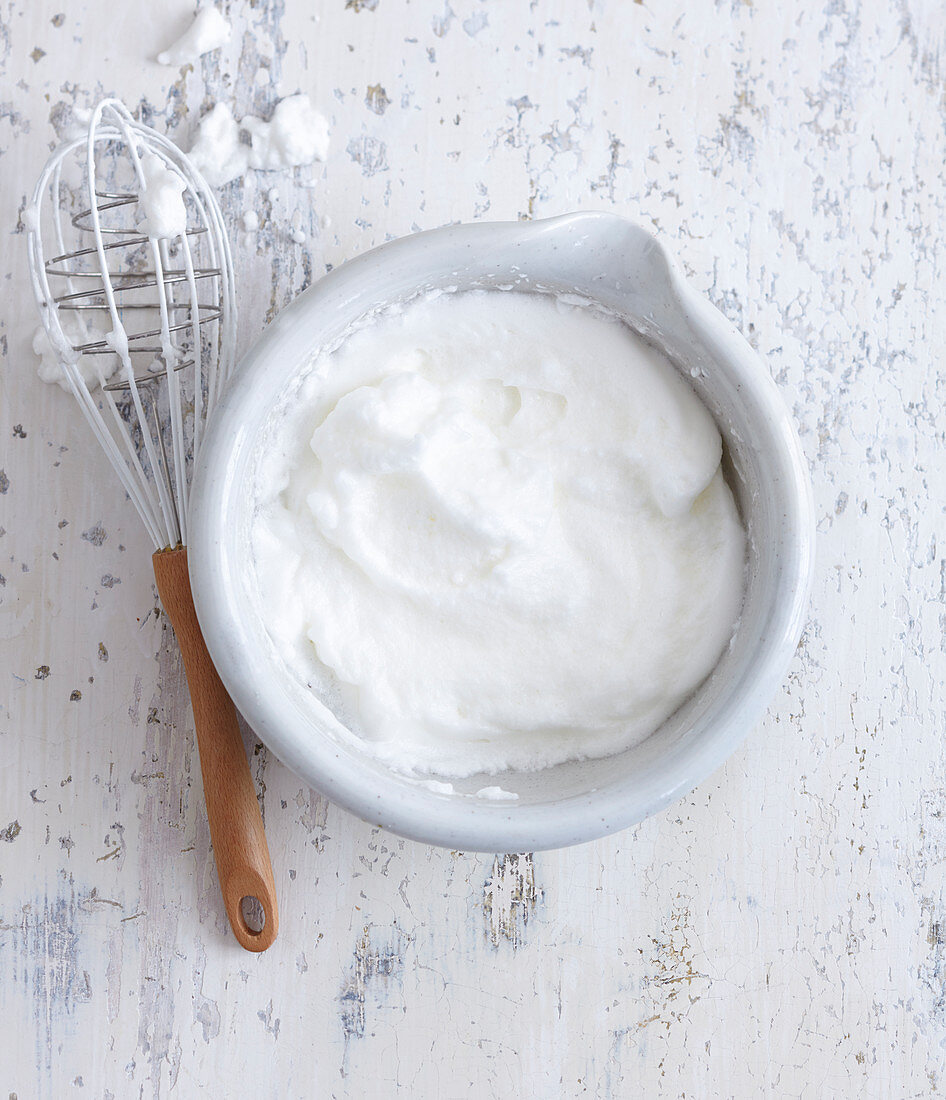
(236, 827)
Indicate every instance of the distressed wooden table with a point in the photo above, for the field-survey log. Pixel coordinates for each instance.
(779, 933)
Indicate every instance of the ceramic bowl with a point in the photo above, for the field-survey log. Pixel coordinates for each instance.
(616, 263)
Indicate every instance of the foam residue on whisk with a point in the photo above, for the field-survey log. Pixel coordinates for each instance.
(161, 199)
(93, 370)
(150, 434)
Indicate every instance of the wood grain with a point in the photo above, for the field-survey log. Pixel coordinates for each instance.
(236, 827)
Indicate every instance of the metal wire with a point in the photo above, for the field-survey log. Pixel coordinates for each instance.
(145, 292)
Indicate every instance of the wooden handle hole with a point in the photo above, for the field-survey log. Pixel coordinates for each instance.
(253, 914)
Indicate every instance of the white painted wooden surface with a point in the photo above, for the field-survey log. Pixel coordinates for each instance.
(779, 933)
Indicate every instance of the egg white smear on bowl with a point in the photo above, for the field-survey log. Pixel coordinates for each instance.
(492, 529)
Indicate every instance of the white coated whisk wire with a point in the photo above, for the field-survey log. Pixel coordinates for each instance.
(161, 500)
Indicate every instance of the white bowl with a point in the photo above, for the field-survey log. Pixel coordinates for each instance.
(601, 257)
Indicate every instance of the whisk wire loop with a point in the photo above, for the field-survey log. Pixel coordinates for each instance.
(108, 270)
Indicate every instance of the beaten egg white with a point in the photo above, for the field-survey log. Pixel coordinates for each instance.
(498, 524)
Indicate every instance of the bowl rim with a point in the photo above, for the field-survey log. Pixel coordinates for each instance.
(412, 810)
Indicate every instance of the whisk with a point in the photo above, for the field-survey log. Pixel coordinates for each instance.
(139, 306)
